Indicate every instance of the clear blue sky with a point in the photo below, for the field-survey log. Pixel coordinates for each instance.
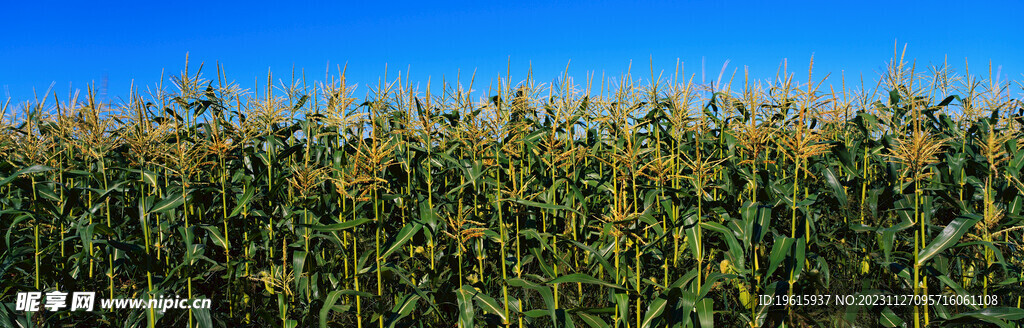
(78, 42)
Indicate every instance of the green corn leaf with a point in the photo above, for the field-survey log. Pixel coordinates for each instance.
(341, 226)
(355, 293)
(622, 302)
(243, 201)
(952, 285)
(490, 305)
(735, 250)
(563, 319)
(948, 237)
(544, 291)
(402, 309)
(780, 250)
(168, 203)
(1000, 316)
(535, 313)
(464, 295)
(593, 253)
(654, 310)
(836, 186)
(27, 170)
(298, 265)
(706, 313)
(332, 298)
(403, 236)
(583, 278)
(799, 256)
(546, 206)
(202, 316)
(592, 320)
(841, 153)
(889, 318)
(216, 236)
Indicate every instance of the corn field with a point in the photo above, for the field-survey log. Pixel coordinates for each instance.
(616, 202)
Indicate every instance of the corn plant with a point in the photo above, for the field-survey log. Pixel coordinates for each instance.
(634, 201)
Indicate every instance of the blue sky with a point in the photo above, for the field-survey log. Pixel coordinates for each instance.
(64, 42)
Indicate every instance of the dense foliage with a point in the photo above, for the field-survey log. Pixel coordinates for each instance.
(621, 204)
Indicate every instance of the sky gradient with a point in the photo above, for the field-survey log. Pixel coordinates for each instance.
(75, 43)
